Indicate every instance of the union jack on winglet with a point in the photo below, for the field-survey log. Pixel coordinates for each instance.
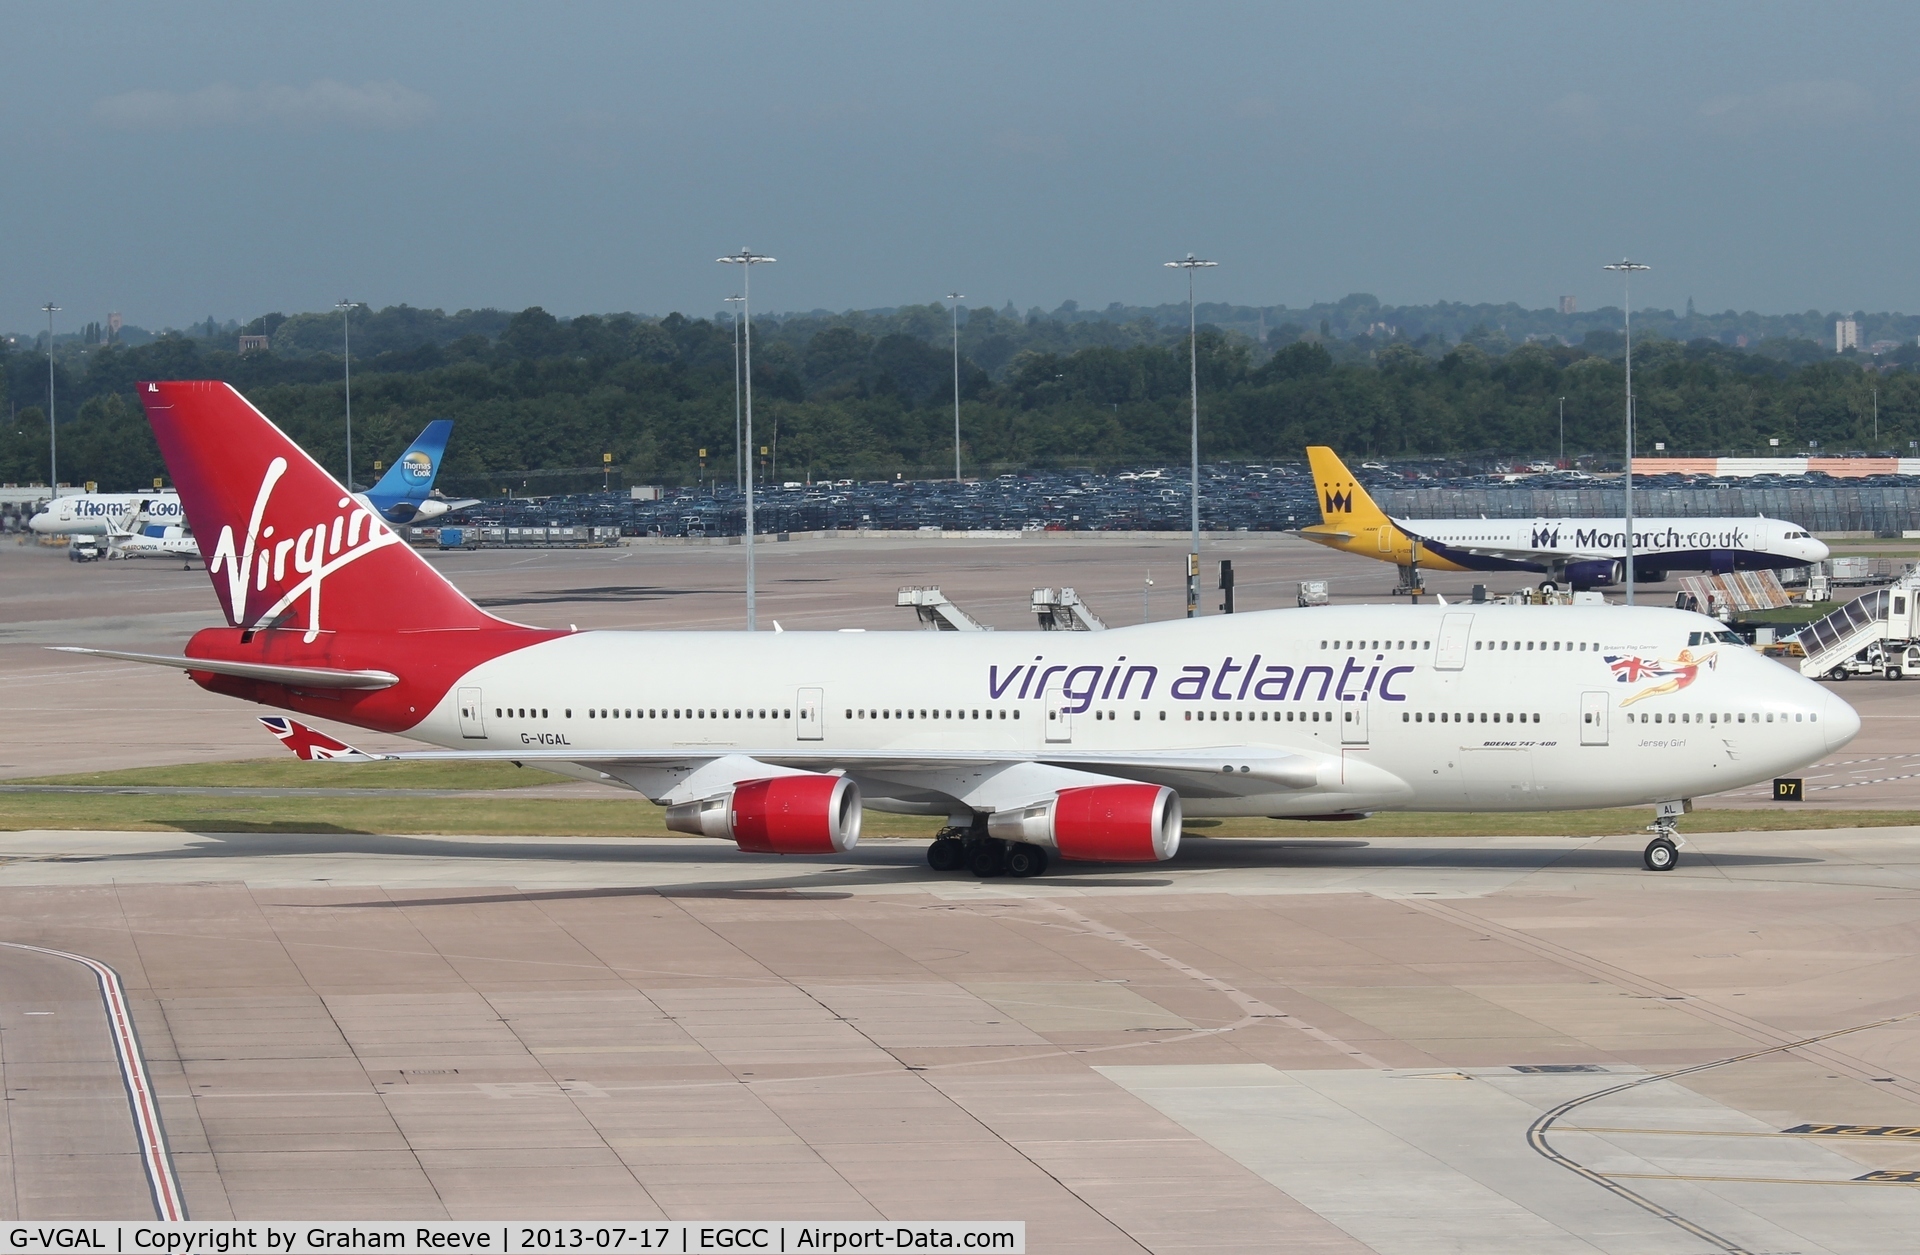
(310, 744)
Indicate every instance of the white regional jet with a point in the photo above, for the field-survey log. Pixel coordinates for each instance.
(1070, 745)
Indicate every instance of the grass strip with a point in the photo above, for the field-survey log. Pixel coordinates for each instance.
(618, 816)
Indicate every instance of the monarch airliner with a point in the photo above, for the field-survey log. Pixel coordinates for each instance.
(1582, 553)
(1033, 746)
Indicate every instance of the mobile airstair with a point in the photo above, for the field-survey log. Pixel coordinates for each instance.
(936, 613)
(1879, 626)
(1061, 610)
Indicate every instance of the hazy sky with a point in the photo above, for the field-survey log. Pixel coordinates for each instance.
(173, 161)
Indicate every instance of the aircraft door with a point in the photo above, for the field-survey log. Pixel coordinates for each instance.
(473, 724)
(1593, 718)
(1353, 723)
(1059, 719)
(809, 723)
(1386, 538)
(1455, 631)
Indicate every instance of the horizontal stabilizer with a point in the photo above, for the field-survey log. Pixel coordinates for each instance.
(272, 673)
(309, 744)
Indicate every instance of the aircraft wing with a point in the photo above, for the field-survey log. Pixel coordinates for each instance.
(998, 780)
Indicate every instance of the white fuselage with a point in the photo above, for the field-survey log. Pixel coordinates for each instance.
(1689, 543)
(101, 513)
(1391, 707)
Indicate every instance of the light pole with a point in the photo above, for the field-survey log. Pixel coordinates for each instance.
(53, 435)
(739, 449)
(1190, 263)
(1563, 430)
(1626, 270)
(747, 259)
(346, 357)
(956, 298)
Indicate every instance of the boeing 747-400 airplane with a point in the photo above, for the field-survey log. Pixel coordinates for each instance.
(1032, 745)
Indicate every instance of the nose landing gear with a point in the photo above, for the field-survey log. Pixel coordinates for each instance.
(1663, 852)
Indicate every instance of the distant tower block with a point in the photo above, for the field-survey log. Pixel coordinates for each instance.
(255, 344)
(1567, 305)
(1846, 335)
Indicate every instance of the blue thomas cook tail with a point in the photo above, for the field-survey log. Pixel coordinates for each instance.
(409, 481)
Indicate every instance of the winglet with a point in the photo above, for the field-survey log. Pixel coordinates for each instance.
(310, 745)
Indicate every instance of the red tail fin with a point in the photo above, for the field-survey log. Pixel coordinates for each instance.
(284, 543)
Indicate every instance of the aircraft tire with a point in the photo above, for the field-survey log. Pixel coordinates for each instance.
(1661, 855)
(947, 854)
(1026, 860)
(988, 859)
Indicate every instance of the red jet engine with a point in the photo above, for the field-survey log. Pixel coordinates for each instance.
(1107, 823)
(808, 813)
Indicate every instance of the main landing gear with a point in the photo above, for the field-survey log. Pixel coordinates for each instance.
(984, 856)
(1663, 852)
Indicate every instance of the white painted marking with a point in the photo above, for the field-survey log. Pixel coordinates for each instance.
(168, 1204)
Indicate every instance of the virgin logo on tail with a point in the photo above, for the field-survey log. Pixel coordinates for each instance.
(314, 552)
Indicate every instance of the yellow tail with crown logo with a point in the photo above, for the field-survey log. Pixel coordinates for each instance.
(1344, 504)
(1351, 521)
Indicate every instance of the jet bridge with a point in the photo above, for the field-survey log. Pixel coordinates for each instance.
(936, 612)
(1061, 610)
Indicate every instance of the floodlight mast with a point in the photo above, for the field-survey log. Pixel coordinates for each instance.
(956, 298)
(1190, 263)
(1626, 271)
(53, 434)
(346, 356)
(739, 449)
(747, 259)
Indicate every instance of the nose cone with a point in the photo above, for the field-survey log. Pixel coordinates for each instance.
(1841, 721)
(1814, 550)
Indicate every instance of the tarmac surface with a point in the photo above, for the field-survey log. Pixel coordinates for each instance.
(1425, 1045)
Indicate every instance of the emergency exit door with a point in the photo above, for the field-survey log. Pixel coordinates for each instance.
(808, 717)
(1593, 718)
(1353, 723)
(473, 724)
